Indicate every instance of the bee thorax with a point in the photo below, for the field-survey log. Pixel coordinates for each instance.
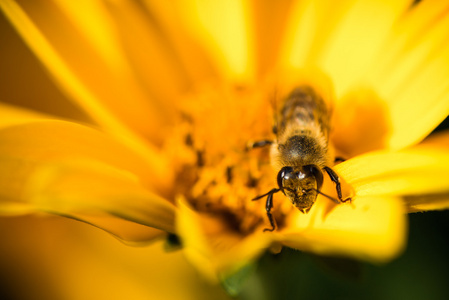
(302, 150)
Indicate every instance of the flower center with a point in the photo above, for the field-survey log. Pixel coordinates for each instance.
(216, 172)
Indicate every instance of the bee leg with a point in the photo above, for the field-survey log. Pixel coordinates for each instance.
(334, 177)
(259, 144)
(268, 207)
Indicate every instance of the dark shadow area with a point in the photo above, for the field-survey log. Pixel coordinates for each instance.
(420, 273)
(443, 126)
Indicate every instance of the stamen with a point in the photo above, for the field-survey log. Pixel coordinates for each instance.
(229, 174)
(188, 140)
(199, 158)
(219, 176)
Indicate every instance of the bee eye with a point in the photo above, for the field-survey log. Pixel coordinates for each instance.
(284, 174)
(314, 171)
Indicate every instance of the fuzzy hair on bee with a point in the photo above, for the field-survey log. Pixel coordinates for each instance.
(302, 129)
(301, 150)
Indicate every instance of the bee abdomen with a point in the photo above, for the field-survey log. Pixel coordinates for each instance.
(304, 109)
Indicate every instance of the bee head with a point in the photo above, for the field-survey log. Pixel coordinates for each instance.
(301, 185)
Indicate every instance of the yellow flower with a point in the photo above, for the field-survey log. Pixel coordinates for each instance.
(176, 92)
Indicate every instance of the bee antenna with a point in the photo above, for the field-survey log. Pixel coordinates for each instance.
(327, 196)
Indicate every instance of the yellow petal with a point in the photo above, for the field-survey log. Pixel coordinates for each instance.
(213, 247)
(224, 29)
(21, 68)
(151, 55)
(83, 189)
(323, 34)
(413, 173)
(307, 25)
(82, 73)
(369, 228)
(51, 140)
(93, 23)
(12, 115)
(78, 187)
(410, 73)
(192, 56)
(358, 36)
(74, 171)
(127, 231)
(269, 25)
(62, 259)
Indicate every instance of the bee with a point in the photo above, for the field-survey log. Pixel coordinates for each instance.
(301, 151)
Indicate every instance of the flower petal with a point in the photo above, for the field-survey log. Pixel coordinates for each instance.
(369, 228)
(150, 54)
(12, 115)
(223, 28)
(193, 57)
(91, 192)
(78, 187)
(72, 170)
(308, 21)
(85, 190)
(410, 73)
(418, 172)
(127, 231)
(20, 68)
(82, 72)
(269, 26)
(57, 258)
(359, 35)
(52, 140)
(212, 247)
(321, 34)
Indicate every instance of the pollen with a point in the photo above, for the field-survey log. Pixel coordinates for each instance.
(216, 171)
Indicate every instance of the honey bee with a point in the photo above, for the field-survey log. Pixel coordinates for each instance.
(301, 151)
